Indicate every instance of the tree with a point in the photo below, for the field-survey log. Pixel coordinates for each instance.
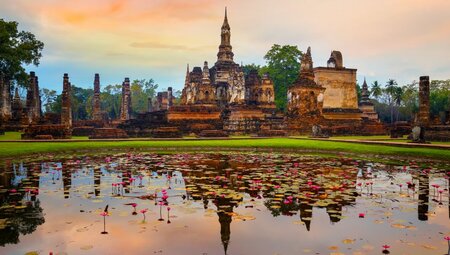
(247, 68)
(141, 90)
(389, 92)
(439, 97)
(48, 98)
(410, 99)
(376, 91)
(397, 98)
(17, 48)
(110, 100)
(283, 66)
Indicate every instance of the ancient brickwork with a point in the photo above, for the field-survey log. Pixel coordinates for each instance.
(305, 96)
(223, 84)
(5, 99)
(33, 104)
(66, 107)
(259, 91)
(96, 111)
(424, 101)
(366, 106)
(17, 108)
(125, 107)
(339, 83)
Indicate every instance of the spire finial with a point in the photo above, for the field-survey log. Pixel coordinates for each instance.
(225, 20)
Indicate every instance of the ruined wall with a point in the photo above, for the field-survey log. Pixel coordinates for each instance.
(340, 87)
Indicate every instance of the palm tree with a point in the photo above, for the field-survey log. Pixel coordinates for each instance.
(376, 90)
(390, 91)
(397, 98)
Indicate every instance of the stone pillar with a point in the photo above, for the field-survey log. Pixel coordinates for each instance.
(125, 108)
(424, 101)
(66, 107)
(96, 112)
(5, 96)
(33, 104)
(169, 97)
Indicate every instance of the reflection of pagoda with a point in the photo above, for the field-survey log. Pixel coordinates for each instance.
(424, 191)
(224, 211)
(67, 181)
(306, 213)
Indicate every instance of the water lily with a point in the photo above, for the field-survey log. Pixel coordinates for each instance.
(143, 211)
(168, 215)
(104, 214)
(386, 249)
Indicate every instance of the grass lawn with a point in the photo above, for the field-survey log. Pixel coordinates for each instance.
(12, 149)
(10, 136)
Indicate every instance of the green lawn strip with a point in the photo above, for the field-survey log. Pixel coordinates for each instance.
(10, 136)
(12, 149)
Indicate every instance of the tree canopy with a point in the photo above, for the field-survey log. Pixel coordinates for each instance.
(283, 63)
(17, 48)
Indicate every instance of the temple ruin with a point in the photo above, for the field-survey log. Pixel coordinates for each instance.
(218, 100)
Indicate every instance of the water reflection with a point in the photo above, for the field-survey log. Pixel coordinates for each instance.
(235, 187)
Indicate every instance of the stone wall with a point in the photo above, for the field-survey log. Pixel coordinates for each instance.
(340, 87)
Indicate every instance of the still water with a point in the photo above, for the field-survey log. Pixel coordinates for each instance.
(213, 203)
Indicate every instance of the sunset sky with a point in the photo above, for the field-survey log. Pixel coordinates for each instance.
(399, 39)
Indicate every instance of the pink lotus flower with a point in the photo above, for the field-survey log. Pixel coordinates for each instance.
(168, 208)
(104, 214)
(386, 246)
(361, 215)
(143, 210)
(447, 238)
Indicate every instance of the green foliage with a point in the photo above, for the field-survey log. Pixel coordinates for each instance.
(283, 66)
(248, 68)
(439, 97)
(376, 90)
(17, 48)
(402, 102)
(48, 97)
(141, 90)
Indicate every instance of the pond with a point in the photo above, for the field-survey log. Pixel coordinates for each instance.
(222, 203)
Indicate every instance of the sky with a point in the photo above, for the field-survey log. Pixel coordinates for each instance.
(143, 39)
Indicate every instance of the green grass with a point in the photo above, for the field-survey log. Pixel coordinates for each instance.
(10, 136)
(13, 149)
